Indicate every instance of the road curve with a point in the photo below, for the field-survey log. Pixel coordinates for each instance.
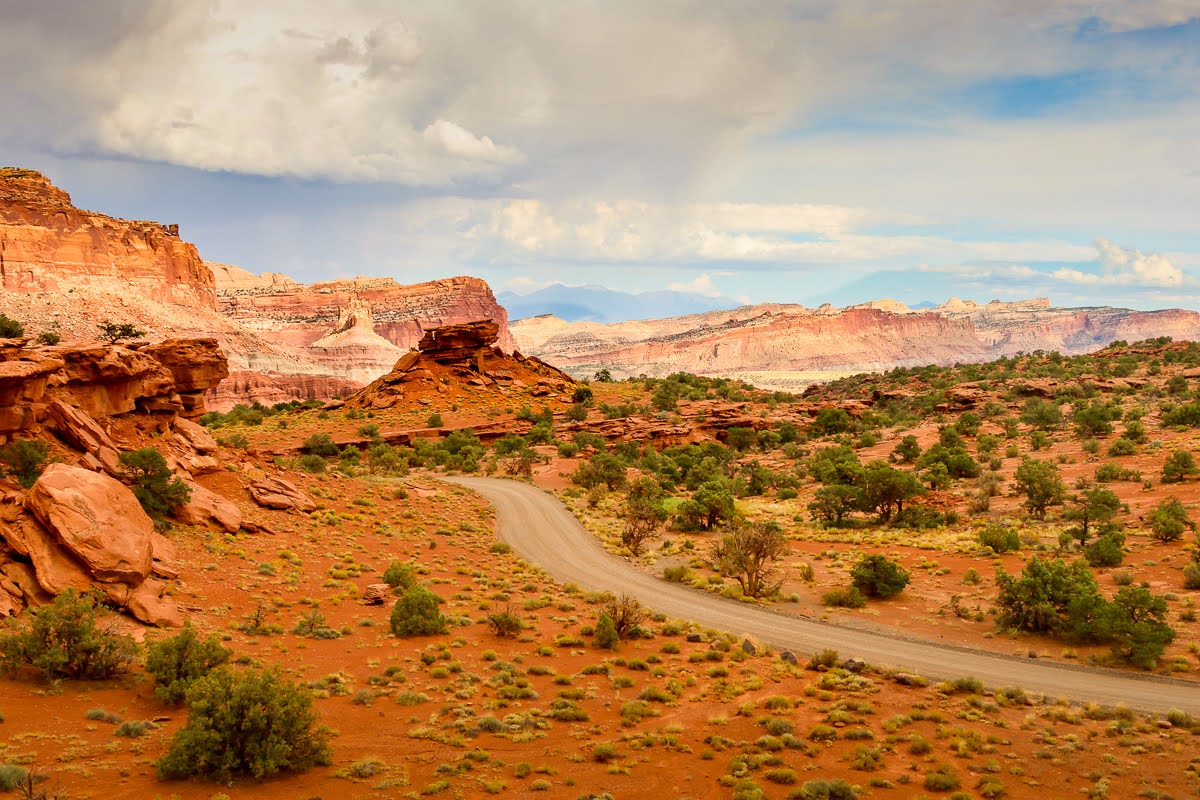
(544, 532)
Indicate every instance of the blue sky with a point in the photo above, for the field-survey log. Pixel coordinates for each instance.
(797, 151)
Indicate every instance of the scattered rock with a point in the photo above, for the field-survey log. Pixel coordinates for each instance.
(694, 638)
(279, 494)
(748, 648)
(206, 507)
(376, 593)
(789, 657)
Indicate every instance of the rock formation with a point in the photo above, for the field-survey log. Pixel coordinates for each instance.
(785, 340)
(455, 358)
(48, 245)
(79, 525)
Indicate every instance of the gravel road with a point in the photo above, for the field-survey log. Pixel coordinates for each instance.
(544, 532)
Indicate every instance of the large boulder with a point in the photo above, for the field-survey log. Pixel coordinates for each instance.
(280, 494)
(97, 519)
(206, 507)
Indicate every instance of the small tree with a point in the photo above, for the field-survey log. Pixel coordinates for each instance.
(644, 514)
(320, 444)
(879, 576)
(885, 489)
(606, 633)
(153, 485)
(1178, 467)
(1109, 548)
(1041, 414)
(908, 450)
(1169, 520)
(831, 504)
(1048, 596)
(179, 661)
(748, 554)
(1094, 506)
(416, 614)
(1137, 621)
(25, 459)
(10, 328)
(1000, 538)
(113, 332)
(246, 723)
(708, 506)
(1040, 483)
(66, 639)
(830, 420)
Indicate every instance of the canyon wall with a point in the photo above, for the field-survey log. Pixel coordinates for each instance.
(63, 270)
(778, 342)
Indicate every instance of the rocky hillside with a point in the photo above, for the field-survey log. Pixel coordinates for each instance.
(775, 341)
(64, 270)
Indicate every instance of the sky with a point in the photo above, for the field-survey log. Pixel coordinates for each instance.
(811, 151)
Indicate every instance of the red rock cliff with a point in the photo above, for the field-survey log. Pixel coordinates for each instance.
(49, 245)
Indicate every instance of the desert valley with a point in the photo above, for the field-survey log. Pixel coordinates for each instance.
(768, 552)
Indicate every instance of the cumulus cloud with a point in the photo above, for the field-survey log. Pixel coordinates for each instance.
(702, 285)
(1120, 266)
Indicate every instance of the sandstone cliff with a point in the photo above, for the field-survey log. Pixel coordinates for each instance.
(63, 270)
(779, 342)
(48, 245)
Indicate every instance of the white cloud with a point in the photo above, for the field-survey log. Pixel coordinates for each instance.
(702, 285)
(1126, 267)
(458, 141)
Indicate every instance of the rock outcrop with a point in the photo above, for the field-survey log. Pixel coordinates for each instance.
(79, 526)
(457, 359)
(63, 270)
(49, 245)
(789, 340)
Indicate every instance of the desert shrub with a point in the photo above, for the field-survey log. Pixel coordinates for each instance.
(943, 779)
(606, 633)
(66, 640)
(25, 459)
(49, 338)
(1000, 538)
(401, 576)
(246, 723)
(830, 420)
(134, 728)
(627, 615)
(320, 444)
(180, 660)
(844, 598)
(827, 658)
(1108, 550)
(878, 576)
(1191, 576)
(825, 790)
(416, 614)
(11, 776)
(434, 421)
(154, 486)
(1169, 520)
(676, 574)
(113, 332)
(1122, 447)
(1039, 481)
(10, 328)
(505, 624)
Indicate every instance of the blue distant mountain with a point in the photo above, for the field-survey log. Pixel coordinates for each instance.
(597, 304)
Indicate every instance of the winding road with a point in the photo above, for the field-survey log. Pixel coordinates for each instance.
(544, 532)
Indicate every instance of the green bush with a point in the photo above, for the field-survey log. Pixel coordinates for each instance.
(180, 660)
(606, 632)
(1169, 520)
(50, 338)
(416, 614)
(25, 459)
(113, 332)
(66, 640)
(1178, 466)
(11, 776)
(844, 598)
(505, 624)
(1000, 538)
(401, 576)
(153, 485)
(10, 328)
(245, 723)
(878, 576)
(825, 790)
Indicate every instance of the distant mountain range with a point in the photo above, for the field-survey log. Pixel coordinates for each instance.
(597, 304)
(789, 346)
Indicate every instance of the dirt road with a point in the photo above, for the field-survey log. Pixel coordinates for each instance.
(545, 533)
